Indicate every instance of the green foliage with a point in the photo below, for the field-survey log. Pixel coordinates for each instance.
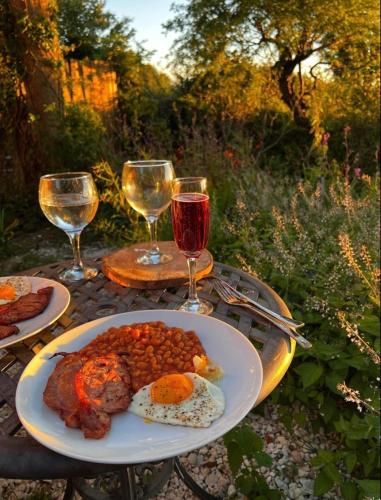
(370, 488)
(23, 37)
(342, 36)
(362, 143)
(242, 442)
(6, 232)
(81, 141)
(318, 245)
(87, 30)
(39, 494)
(116, 222)
(143, 107)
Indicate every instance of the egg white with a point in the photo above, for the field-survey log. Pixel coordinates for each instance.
(21, 284)
(200, 409)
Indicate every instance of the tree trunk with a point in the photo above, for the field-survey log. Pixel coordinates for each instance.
(294, 99)
(41, 81)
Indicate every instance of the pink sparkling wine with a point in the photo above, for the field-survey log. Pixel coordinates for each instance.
(190, 221)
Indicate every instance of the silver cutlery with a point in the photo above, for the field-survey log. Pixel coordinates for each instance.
(279, 323)
(243, 298)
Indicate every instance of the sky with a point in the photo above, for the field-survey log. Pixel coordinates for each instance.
(147, 19)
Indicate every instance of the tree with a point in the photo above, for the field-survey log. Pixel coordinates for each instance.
(289, 34)
(87, 30)
(30, 92)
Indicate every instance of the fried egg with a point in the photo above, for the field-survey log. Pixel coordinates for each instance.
(13, 288)
(179, 399)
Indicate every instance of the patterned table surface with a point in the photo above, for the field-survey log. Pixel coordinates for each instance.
(101, 297)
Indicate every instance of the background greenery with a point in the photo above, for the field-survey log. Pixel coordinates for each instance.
(276, 103)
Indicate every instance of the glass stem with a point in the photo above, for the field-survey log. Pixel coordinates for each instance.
(74, 240)
(152, 227)
(192, 263)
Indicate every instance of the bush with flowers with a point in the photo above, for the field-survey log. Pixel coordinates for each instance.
(317, 244)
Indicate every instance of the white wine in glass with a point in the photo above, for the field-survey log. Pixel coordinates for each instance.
(70, 201)
(147, 186)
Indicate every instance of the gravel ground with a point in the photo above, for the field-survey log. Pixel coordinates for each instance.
(290, 472)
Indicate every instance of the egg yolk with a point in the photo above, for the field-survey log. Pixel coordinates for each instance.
(7, 292)
(172, 388)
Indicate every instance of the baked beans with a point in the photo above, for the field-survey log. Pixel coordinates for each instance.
(151, 350)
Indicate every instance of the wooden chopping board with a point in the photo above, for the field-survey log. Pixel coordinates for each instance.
(121, 267)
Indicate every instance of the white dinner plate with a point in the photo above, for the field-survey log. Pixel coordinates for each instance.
(130, 439)
(57, 306)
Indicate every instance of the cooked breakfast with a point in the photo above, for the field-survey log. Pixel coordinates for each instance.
(154, 364)
(179, 399)
(25, 307)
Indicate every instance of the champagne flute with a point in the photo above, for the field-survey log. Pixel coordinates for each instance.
(70, 201)
(190, 222)
(147, 185)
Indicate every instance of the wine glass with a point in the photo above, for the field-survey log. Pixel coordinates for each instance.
(70, 201)
(190, 222)
(147, 185)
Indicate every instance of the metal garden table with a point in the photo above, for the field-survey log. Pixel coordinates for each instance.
(21, 457)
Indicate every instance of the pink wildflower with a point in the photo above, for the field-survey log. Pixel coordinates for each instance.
(325, 138)
(358, 172)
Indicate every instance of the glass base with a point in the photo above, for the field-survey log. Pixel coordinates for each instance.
(75, 274)
(197, 306)
(152, 259)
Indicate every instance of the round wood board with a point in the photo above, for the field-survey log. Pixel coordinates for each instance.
(121, 267)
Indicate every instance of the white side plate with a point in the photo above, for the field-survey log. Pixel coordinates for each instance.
(57, 306)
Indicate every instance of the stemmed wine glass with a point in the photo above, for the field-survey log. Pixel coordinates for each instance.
(147, 185)
(190, 222)
(69, 201)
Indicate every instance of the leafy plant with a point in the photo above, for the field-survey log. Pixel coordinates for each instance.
(318, 246)
(117, 223)
(6, 232)
(81, 141)
(243, 444)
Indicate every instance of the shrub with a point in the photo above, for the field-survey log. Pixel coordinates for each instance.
(318, 246)
(81, 141)
(116, 222)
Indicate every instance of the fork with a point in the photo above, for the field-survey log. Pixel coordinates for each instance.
(243, 298)
(230, 299)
